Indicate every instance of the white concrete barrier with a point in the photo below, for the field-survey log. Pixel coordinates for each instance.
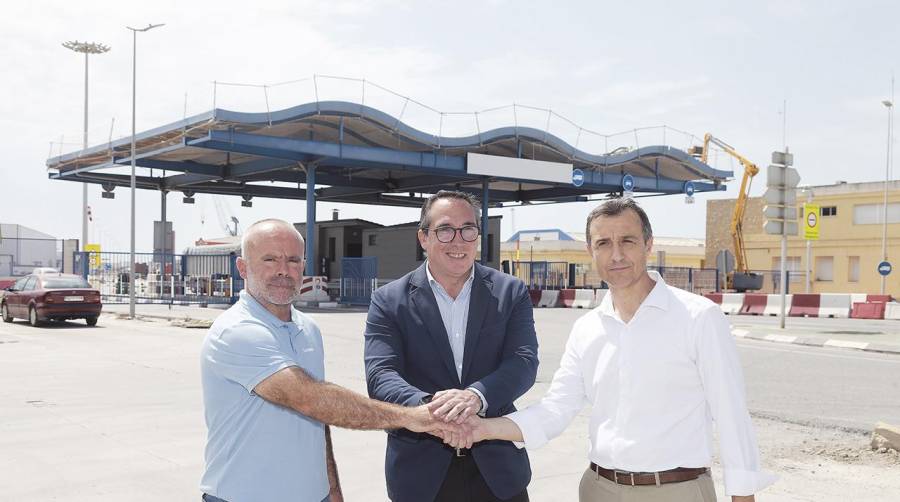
(732, 303)
(598, 297)
(834, 305)
(857, 298)
(773, 304)
(583, 298)
(892, 311)
(549, 298)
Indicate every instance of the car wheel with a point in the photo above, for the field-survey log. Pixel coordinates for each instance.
(91, 321)
(4, 310)
(33, 317)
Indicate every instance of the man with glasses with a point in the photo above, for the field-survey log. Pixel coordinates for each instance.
(460, 336)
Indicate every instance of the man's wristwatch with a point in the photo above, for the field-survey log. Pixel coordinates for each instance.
(427, 399)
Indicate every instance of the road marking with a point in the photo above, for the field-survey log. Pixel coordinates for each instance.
(781, 338)
(847, 344)
(816, 351)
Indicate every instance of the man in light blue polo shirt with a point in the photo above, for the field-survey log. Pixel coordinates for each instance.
(266, 402)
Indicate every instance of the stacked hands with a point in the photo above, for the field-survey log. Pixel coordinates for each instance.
(452, 415)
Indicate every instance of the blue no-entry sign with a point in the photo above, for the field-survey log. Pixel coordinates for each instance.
(628, 183)
(689, 188)
(577, 177)
(884, 268)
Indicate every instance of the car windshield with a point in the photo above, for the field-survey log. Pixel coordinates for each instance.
(65, 282)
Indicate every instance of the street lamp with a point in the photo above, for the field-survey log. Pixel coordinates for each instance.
(889, 104)
(86, 48)
(134, 32)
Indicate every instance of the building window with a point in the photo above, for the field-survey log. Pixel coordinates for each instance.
(829, 210)
(372, 239)
(853, 268)
(824, 268)
(873, 214)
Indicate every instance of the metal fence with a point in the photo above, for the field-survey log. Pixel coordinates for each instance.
(561, 275)
(542, 274)
(161, 278)
(20, 256)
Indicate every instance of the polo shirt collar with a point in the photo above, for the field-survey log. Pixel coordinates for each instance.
(267, 317)
(658, 297)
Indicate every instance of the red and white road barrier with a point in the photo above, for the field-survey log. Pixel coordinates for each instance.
(314, 289)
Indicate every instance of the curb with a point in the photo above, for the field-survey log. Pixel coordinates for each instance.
(818, 342)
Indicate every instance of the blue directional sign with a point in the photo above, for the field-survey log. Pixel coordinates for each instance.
(884, 268)
(689, 188)
(577, 177)
(628, 183)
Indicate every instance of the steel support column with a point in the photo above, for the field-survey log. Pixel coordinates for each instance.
(484, 220)
(310, 221)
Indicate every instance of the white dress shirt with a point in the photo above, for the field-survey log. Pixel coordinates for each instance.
(655, 384)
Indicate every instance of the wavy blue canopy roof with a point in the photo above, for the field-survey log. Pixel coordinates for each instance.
(364, 155)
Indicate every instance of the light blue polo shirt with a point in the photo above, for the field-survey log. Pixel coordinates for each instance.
(255, 450)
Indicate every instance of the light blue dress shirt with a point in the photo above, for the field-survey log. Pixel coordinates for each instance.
(455, 315)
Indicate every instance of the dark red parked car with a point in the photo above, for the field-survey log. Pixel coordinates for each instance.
(51, 297)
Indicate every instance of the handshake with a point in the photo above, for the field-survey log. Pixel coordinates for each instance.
(452, 415)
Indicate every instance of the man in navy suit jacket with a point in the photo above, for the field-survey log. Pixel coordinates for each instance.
(461, 336)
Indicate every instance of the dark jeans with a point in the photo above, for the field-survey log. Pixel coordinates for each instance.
(464, 483)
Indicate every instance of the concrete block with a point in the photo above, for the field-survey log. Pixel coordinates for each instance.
(886, 436)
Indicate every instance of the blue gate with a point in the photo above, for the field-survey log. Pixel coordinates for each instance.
(358, 279)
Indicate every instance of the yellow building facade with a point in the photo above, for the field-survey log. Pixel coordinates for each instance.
(557, 246)
(847, 254)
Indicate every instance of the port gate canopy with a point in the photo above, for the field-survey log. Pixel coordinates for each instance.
(351, 153)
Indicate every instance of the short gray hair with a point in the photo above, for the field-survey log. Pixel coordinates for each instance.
(615, 207)
(425, 217)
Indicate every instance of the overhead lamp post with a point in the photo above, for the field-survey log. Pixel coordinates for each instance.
(134, 32)
(86, 48)
(889, 104)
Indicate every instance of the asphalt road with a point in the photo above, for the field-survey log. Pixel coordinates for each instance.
(114, 412)
(818, 386)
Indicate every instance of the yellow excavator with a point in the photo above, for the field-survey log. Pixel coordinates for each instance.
(741, 279)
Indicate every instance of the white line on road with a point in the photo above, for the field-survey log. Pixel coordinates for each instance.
(813, 351)
(781, 338)
(846, 344)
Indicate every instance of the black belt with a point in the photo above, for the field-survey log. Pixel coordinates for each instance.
(676, 475)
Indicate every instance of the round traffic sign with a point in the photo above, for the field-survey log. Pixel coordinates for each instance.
(884, 268)
(689, 188)
(577, 177)
(811, 220)
(628, 182)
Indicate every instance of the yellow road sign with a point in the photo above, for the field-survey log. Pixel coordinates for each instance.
(811, 222)
(94, 249)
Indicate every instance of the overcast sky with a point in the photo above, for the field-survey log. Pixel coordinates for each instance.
(722, 67)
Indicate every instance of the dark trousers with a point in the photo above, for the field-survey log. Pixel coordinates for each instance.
(464, 483)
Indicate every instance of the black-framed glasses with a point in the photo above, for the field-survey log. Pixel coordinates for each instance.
(447, 233)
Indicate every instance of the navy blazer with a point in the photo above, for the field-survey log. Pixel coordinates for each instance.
(408, 356)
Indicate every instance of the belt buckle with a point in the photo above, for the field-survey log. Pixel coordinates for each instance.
(460, 452)
(616, 476)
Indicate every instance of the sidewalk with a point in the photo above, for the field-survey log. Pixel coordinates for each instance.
(860, 334)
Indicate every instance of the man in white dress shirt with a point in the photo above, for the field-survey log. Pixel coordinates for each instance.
(659, 366)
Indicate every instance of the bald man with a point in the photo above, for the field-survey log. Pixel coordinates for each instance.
(267, 405)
